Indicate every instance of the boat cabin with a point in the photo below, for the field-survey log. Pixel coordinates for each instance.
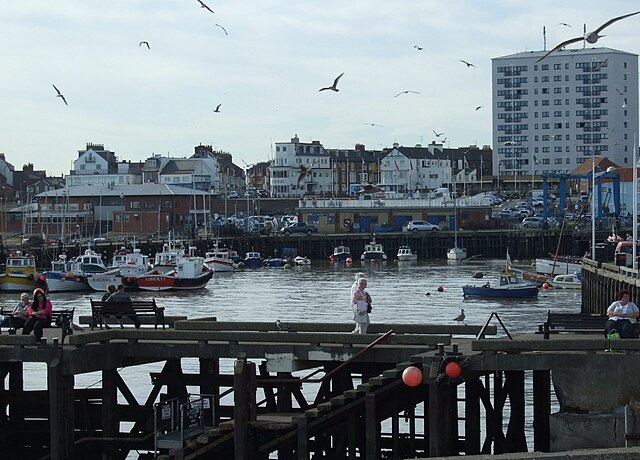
(507, 279)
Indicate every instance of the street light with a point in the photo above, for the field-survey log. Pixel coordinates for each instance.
(121, 215)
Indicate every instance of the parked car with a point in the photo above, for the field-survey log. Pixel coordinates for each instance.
(263, 193)
(535, 222)
(422, 225)
(233, 194)
(299, 227)
(251, 194)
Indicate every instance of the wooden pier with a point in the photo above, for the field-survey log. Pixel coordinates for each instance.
(303, 390)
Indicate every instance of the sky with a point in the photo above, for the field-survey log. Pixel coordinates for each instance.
(265, 73)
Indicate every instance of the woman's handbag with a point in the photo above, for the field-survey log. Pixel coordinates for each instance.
(361, 307)
(368, 308)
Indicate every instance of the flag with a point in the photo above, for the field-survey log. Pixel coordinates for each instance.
(466, 164)
(507, 265)
(536, 161)
(411, 165)
(397, 167)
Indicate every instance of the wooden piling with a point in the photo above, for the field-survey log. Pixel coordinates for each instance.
(244, 409)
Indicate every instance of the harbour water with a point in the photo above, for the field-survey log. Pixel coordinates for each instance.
(404, 292)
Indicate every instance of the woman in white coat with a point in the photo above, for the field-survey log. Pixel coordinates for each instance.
(360, 302)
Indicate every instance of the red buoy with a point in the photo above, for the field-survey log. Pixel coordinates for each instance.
(453, 370)
(546, 286)
(412, 376)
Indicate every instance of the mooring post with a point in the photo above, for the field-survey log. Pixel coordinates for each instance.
(516, 440)
(303, 438)
(443, 423)
(472, 389)
(372, 428)
(61, 406)
(244, 408)
(110, 420)
(541, 410)
(210, 384)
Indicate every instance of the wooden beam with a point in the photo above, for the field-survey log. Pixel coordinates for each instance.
(61, 409)
(443, 423)
(516, 439)
(472, 388)
(372, 428)
(245, 411)
(541, 410)
(110, 421)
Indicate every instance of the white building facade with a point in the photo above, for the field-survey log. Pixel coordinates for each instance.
(551, 116)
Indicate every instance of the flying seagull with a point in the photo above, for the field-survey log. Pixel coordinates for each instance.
(564, 24)
(619, 92)
(204, 5)
(407, 92)
(460, 318)
(419, 48)
(437, 134)
(589, 37)
(468, 64)
(374, 124)
(479, 107)
(333, 87)
(217, 109)
(60, 95)
(602, 64)
(144, 43)
(223, 29)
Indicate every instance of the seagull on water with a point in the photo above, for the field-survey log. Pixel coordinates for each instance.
(223, 29)
(204, 5)
(589, 37)
(468, 64)
(333, 87)
(460, 318)
(407, 92)
(144, 43)
(60, 95)
(282, 327)
(217, 109)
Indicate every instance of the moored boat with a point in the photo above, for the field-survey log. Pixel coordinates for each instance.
(559, 265)
(300, 260)
(373, 252)
(222, 259)
(508, 286)
(66, 276)
(20, 273)
(340, 254)
(253, 259)
(406, 254)
(190, 273)
(572, 281)
(456, 253)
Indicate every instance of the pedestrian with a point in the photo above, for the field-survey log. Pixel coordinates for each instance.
(19, 315)
(123, 297)
(39, 315)
(361, 307)
(623, 316)
(354, 287)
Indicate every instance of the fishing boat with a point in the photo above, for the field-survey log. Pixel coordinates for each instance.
(406, 254)
(509, 285)
(340, 254)
(222, 259)
(373, 252)
(190, 273)
(20, 273)
(253, 259)
(124, 269)
(274, 262)
(69, 275)
(573, 281)
(456, 253)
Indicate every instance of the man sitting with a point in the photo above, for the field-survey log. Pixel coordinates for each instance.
(121, 296)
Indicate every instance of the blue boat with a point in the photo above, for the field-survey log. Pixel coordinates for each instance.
(253, 259)
(275, 262)
(508, 286)
(340, 254)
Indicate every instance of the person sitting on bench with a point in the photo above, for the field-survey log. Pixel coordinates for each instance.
(39, 315)
(19, 316)
(121, 296)
(622, 315)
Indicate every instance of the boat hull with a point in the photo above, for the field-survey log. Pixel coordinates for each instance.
(373, 257)
(457, 254)
(219, 266)
(558, 267)
(11, 283)
(511, 292)
(169, 282)
(59, 282)
(253, 263)
(100, 282)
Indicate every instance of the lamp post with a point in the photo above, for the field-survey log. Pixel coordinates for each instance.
(635, 203)
(121, 215)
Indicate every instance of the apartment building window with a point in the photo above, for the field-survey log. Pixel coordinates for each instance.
(149, 204)
(557, 90)
(557, 149)
(545, 115)
(557, 66)
(135, 205)
(545, 149)
(545, 90)
(558, 113)
(557, 102)
(557, 78)
(557, 161)
(545, 102)
(126, 217)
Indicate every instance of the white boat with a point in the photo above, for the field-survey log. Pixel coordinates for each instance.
(190, 273)
(573, 281)
(222, 259)
(559, 265)
(341, 253)
(373, 252)
(300, 260)
(125, 269)
(406, 254)
(456, 253)
(72, 275)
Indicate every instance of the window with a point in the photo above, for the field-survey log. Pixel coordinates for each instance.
(126, 217)
(118, 218)
(135, 205)
(150, 204)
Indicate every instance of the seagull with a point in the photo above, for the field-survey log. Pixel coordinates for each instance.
(460, 318)
(602, 64)
(468, 64)
(589, 37)
(419, 48)
(217, 109)
(619, 92)
(374, 124)
(144, 43)
(204, 5)
(333, 87)
(479, 107)
(60, 95)
(564, 24)
(407, 92)
(437, 134)
(224, 30)
(282, 327)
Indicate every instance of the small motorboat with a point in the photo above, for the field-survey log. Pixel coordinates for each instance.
(508, 286)
(253, 259)
(456, 253)
(573, 281)
(340, 254)
(222, 259)
(300, 260)
(406, 254)
(373, 252)
(190, 273)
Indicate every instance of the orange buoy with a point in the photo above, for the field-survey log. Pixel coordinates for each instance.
(453, 370)
(412, 376)
(349, 260)
(546, 286)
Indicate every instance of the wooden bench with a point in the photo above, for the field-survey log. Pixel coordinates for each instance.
(572, 322)
(59, 318)
(135, 309)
